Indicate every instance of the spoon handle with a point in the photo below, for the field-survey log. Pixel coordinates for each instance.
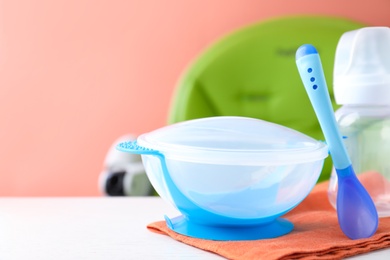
(311, 72)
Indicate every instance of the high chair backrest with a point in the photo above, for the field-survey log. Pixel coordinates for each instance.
(252, 73)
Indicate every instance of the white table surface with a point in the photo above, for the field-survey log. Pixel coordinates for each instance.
(95, 228)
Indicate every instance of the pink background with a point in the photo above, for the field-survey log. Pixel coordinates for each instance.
(77, 74)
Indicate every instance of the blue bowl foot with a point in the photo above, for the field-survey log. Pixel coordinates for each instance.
(276, 228)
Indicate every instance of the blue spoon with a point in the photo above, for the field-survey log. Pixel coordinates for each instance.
(356, 211)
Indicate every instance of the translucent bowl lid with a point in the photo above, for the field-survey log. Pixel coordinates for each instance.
(233, 140)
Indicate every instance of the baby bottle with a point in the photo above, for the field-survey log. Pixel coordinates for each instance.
(362, 86)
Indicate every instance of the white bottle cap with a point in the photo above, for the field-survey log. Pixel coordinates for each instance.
(362, 67)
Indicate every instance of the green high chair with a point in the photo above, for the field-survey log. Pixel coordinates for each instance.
(252, 72)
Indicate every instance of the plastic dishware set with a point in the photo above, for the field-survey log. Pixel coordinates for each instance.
(233, 178)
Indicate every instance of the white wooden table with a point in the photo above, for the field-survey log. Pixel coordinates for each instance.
(94, 228)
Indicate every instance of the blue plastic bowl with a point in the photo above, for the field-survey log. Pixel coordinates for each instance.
(230, 177)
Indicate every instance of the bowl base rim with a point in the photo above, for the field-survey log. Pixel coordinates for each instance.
(273, 229)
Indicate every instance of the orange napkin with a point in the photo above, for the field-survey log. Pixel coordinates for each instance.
(316, 235)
